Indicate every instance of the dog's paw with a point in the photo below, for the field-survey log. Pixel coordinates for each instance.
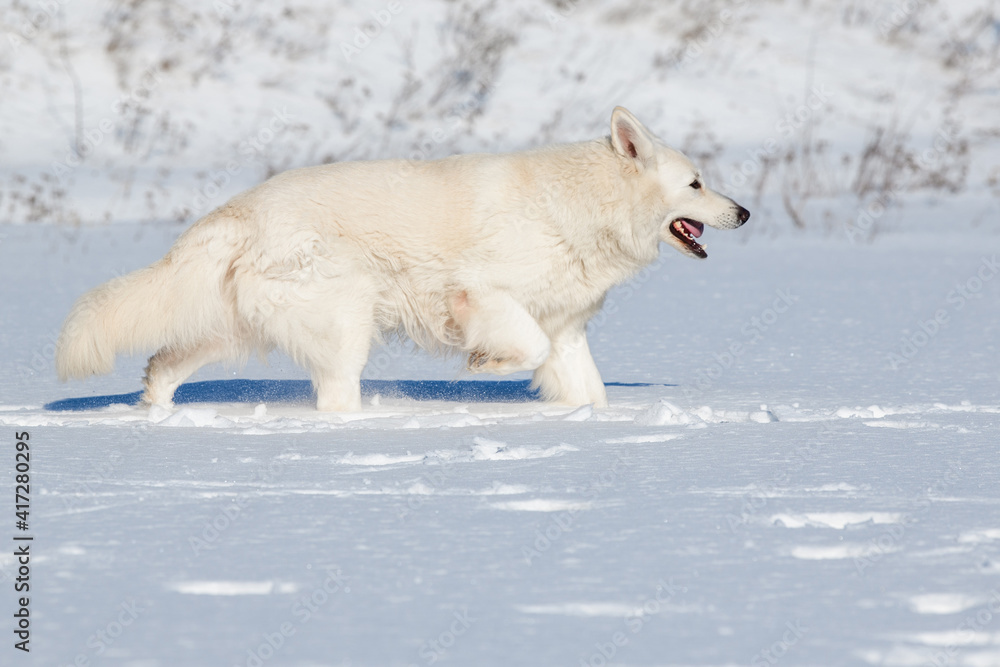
(150, 401)
(482, 362)
(477, 360)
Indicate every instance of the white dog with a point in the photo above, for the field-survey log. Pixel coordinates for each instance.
(505, 257)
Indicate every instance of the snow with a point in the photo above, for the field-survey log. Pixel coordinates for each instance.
(803, 498)
(799, 463)
(944, 603)
(838, 520)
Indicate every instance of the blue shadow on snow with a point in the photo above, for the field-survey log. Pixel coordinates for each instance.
(299, 391)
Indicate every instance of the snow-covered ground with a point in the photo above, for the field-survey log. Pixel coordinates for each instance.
(800, 497)
(800, 464)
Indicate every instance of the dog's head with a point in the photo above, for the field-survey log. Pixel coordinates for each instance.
(683, 204)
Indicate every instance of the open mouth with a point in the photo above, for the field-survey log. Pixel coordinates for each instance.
(687, 231)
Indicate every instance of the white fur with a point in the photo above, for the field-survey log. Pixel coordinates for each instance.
(505, 257)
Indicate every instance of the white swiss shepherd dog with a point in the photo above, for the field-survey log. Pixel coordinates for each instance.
(501, 257)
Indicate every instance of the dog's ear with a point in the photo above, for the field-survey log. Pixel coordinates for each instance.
(630, 138)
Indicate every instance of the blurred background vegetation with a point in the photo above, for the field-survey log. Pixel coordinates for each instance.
(820, 114)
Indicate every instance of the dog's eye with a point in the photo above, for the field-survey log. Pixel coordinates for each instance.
(696, 184)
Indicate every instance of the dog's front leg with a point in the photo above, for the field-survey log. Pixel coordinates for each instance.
(569, 375)
(500, 335)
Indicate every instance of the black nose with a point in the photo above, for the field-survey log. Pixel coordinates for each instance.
(743, 215)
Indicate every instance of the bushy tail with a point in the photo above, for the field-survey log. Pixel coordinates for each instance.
(170, 303)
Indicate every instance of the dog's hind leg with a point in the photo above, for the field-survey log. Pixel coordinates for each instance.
(569, 375)
(169, 367)
(337, 376)
(336, 369)
(332, 341)
(500, 334)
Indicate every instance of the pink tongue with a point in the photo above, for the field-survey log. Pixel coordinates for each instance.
(694, 228)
